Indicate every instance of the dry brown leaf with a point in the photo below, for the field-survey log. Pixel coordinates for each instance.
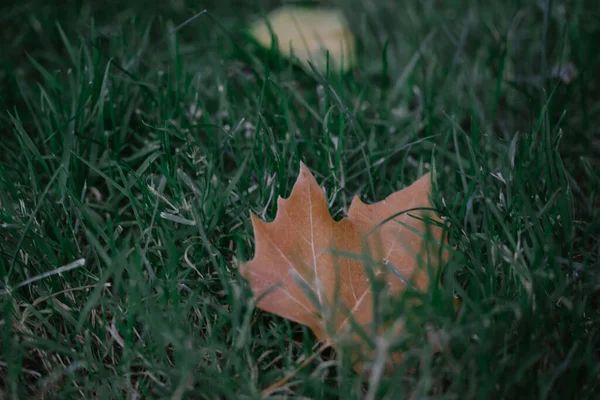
(299, 253)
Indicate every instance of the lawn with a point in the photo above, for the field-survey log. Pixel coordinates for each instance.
(137, 138)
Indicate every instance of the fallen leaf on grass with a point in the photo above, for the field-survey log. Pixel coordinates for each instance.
(307, 34)
(298, 269)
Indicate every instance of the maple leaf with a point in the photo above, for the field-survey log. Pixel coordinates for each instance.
(300, 270)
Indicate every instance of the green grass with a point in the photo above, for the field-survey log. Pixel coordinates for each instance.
(132, 154)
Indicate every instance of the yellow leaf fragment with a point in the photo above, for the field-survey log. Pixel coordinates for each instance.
(307, 34)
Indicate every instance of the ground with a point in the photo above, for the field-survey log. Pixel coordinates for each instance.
(137, 138)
